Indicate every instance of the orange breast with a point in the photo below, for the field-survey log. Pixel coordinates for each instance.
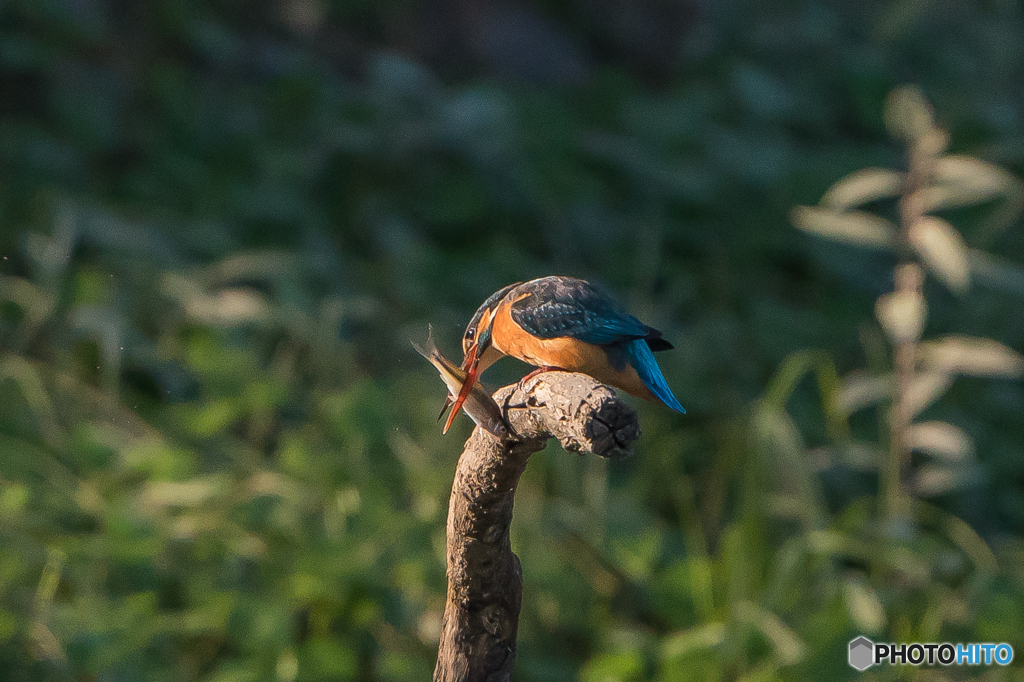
(565, 352)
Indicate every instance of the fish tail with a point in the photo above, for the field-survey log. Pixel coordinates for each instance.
(641, 357)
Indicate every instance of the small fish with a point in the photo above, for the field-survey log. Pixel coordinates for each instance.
(480, 406)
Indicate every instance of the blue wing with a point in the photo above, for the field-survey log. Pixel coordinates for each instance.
(562, 306)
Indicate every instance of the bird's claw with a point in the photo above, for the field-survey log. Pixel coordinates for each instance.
(539, 370)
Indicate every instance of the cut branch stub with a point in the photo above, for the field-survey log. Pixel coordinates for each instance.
(585, 416)
(481, 616)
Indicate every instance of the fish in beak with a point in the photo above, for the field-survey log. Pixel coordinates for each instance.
(469, 395)
(471, 364)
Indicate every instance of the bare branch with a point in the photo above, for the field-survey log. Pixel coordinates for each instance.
(485, 584)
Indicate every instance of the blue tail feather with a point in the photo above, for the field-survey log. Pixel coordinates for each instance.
(641, 357)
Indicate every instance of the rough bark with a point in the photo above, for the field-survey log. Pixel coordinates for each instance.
(485, 584)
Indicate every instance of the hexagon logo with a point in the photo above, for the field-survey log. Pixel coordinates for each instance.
(862, 653)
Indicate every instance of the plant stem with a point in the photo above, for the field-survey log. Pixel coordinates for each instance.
(908, 282)
(895, 495)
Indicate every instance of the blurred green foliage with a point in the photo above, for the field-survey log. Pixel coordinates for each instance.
(221, 222)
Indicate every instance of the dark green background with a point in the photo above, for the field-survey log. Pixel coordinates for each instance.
(222, 222)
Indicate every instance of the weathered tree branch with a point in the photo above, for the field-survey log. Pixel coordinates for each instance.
(485, 584)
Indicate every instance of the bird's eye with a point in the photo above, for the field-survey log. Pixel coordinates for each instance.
(470, 333)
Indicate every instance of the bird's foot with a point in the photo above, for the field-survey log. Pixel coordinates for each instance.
(539, 370)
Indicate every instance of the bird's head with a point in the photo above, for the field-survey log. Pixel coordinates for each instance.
(477, 347)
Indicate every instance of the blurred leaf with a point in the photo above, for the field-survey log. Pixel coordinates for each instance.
(271, 265)
(236, 671)
(908, 115)
(971, 356)
(287, 668)
(14, 498)
(28, 381)
(943, 251)
(939, 439)
(962, 181)
(613, 667)
(996, 272)
(49, 580)
(863, 187)
(323, 659)
(36, 303)
(925, 388)
(208, 419)
(936, 479)
(787, 644)
(854, 227)
(51, 255)
(396, 666)
(636, 555)
(965, 537)
(230, 307)
(9, 625)
(225, 308)
(861, 456)
(196, 492)
(279, 485)
(779, 439)
(860, 390)
(44, 645)
(902, 315)
(695, 639)
(865, 609)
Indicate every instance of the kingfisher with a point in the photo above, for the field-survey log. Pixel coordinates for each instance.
(568, 324)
